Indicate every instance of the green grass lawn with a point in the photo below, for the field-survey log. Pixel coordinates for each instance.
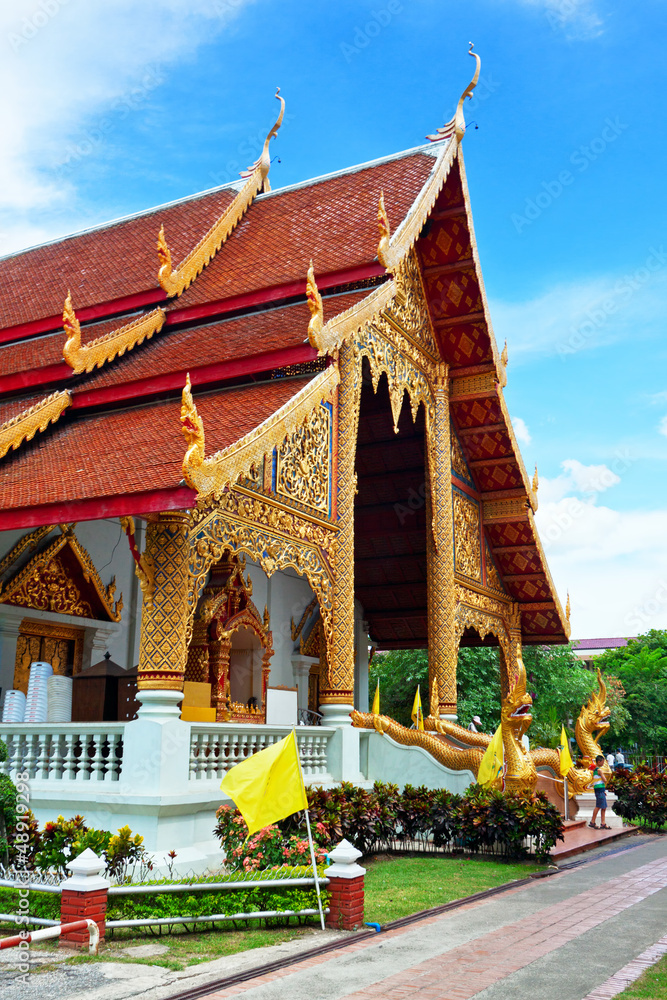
(395, 887)
(398, 886)
(651, 985)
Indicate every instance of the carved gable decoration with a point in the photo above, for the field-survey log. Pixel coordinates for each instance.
(467, 545)
(62, 578)
(304, 462)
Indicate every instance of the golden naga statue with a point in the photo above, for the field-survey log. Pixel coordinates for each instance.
(520, 771)
(592, 724)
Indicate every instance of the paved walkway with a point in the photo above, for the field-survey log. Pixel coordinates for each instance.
(582, 933)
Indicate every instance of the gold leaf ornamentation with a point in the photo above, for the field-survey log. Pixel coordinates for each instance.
(314, 300)
(304, 462)
(175, 282)
(458, 461)
(29, 541)
(144, 566)
(384, 230)
(25, 425)
(467, 537)
(210, 477)
(456, 126)
(86, 357)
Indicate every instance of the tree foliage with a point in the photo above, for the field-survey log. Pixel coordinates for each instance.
(556, 679)
(641, 667)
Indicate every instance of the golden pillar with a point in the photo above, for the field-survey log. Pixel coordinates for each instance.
(441, 597)
(338, 680)
(509, 660)
(163, 651)
(220, 650)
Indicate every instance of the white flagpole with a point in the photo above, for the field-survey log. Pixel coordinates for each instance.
(312, 858)
(566, 796)
(310, 836)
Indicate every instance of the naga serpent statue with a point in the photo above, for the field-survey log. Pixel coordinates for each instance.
(592, 724)
(520, 770)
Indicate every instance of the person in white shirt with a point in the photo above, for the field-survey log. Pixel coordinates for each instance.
(610, 759)
(620, 759)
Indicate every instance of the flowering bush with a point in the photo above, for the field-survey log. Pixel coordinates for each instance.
(268, 848)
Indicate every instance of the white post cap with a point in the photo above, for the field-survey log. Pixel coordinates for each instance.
(344, 858)
(86, 871)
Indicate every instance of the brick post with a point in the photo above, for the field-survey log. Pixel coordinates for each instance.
(346, 888)
(84, 896)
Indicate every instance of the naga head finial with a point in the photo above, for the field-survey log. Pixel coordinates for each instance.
(567, 606)
(385, 232)
(515, 709)
(316, 308)
(457, 125)
(73, 331)
(504, 357)
(193, 431)
(264, 160)
(535, 485)
(164, 256)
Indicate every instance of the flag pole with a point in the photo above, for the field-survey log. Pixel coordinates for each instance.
(566, 797)
(310, 836)
(312, 858)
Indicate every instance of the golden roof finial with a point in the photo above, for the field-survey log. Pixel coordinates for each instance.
(264, 161)
(73, 331)
(457, 125)
(316, 309)
(567, 606)
(164, 257)
(193, 432)
(536, 480)
(504, 357)
(385, 232)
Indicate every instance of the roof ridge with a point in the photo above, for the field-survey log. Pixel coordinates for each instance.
(428, 148)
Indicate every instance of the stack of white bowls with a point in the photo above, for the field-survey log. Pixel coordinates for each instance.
(37, 703)
(60, 698)
(14, 707)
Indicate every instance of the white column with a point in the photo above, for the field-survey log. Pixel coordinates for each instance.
(301, 669)
(10, 619)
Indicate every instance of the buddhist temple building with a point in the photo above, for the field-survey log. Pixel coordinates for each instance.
(244, 435)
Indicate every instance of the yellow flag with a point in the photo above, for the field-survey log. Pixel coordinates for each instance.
(492, 761)
(268, 786)
(565, 757)
(417, 715)
(376, 701)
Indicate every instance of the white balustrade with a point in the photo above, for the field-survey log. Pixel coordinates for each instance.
(64, 751)
(214, 749)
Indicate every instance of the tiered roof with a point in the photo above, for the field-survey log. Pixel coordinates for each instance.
(113, 445)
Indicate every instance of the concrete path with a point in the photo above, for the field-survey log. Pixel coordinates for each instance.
(559, 938)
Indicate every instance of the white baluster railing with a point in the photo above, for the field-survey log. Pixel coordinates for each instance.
(217, 747)
(64, 751)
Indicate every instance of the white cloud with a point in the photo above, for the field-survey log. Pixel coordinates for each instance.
(64, 62)
(614, 563)
(521, 430)
(577, 18)
(580, 316)
(662, 426)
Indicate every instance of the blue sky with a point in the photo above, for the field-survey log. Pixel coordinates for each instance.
(116, 106)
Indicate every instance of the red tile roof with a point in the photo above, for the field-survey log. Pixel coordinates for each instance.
(106, 263)
(131, 450)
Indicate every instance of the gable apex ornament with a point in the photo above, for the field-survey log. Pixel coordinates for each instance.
(174, 282)
(457, 126)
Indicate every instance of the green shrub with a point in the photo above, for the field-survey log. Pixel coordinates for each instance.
(267, 848)
(641, 796)
(8, 795)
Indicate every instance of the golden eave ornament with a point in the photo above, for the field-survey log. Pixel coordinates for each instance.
(175, 282)
(457, 126)
(144, 567)
(210, 477)
(314, 299)
(25, 425)
(83, 358)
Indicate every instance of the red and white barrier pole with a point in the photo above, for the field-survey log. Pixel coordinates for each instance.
(28, 937)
